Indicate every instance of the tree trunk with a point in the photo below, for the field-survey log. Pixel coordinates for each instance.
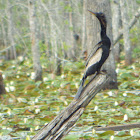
(70, 32)
(2, 87)
(116, 27)
(71, 49)
(54, 39)
(93, 35)
(125, 21)
(12, 52)
(84, 27)
(34, 41)
(5, 39)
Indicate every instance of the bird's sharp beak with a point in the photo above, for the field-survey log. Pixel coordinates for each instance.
(92, 13)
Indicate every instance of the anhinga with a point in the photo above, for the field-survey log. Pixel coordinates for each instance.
(97, 58)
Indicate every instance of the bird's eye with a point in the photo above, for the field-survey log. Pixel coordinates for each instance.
(102, 14)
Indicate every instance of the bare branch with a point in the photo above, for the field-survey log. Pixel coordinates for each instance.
(119, 127)
(5, 49)
(132, 23)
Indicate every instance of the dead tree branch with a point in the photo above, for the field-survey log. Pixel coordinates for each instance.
(118, 127)
(63, 123)
(5, 49)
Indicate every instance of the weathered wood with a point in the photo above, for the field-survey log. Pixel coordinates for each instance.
(63, 123)
(118, 127)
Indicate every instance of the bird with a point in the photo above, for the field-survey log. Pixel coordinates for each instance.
(97, 57)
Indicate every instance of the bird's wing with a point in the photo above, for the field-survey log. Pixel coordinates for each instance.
(96, 52)
(95, 58)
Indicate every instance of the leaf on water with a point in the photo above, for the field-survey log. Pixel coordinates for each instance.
(22, 100)
(38, 83)
(47, 118)
(123, 134)
(27, 112)
(109, 132)
(71, 137)
(30, 87)
(118, 117)
(122, 103)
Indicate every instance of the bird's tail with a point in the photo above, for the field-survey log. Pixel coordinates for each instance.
(78, 94)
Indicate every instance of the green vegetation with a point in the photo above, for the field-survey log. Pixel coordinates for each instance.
(27, 106)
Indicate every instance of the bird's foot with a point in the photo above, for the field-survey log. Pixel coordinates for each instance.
(103, 72)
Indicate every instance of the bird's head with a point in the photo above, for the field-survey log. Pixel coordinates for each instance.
(101, 17)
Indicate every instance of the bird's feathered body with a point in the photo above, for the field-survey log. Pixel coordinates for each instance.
(97, 57)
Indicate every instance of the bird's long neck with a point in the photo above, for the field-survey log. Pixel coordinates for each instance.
(104, 36)
(103, 31)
